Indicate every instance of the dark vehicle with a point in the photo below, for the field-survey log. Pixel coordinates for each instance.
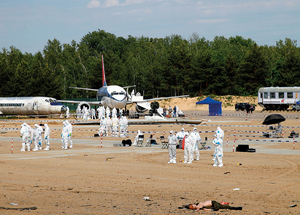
(242, 106)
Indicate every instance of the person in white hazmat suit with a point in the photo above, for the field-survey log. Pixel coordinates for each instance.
(180, 135)
(99, 113)
(125, 125)
(189, 147)
(93, 113)
(115, 124)
(64, 136)
(68, 112)
(78, 112)
(70, 131)
(108, 124)
(136, 138)
(219, 134)
(102, 111)
(25, 137)
(121, 127)
(30, 137)
(101, 130)
(172, 147)
(198, 138)
(47, 136)
(107, 112)
(37, 138)
(218, 142)
(114, 113)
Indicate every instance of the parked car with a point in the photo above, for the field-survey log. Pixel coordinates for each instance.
(242, 107)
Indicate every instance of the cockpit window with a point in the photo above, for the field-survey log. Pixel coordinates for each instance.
(117, 93)
(46, 100)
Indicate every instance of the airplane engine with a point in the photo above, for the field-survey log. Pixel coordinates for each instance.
(142, 107)
(84, 104)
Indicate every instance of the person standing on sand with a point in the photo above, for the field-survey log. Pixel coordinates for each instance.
(172, 147)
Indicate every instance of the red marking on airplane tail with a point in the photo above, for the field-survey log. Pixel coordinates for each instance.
(103, 74)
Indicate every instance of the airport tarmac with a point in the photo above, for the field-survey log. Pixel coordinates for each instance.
(90, 179)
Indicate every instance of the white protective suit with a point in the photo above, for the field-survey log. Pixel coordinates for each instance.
(172, 147)
(39, 138)
(114, 113)
(198, 138)
(189, 147)
(101, 130)
(108, 124)
(180, 135)
(78, 112)
(107, 112)
(218, 142)
(93, 113)
(68, 112)
(70, 130)
(122, 127)
(30, 138)
(102, 111)
(115, 124)
(136, 138)
(219, 135)
(46, 137)
(25, 137)
(125, 125)
(64, 136)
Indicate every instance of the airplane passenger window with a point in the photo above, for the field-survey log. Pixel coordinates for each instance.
(290, 95)
(281, 95)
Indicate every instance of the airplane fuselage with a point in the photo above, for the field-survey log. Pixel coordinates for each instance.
(112, 96)
(30, 106)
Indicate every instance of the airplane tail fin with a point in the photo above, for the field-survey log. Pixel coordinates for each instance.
(103, 74)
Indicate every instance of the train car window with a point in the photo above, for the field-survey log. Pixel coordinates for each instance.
(290, 95)
(281, 95)
(261, 95)
(272, 95)
(265, 95)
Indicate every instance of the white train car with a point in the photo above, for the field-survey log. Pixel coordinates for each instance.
(278, 98)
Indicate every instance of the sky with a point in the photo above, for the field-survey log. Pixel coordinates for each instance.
(28, 25)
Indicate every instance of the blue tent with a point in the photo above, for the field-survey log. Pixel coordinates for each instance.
(215, 107)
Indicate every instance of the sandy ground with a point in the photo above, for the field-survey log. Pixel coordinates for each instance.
(90, 179)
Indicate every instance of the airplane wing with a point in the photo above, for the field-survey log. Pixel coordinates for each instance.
(81, 88)
(78, 102)
(140, 99)
(162, 98)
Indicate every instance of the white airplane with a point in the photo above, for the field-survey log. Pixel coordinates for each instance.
(115, 96)
(30, 106)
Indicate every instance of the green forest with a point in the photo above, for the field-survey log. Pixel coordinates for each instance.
(157, 66)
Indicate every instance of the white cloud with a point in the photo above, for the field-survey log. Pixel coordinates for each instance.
(93, 4)
(211, 21)
(111, 3)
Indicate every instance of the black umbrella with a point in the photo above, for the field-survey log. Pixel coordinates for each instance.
(273, 119)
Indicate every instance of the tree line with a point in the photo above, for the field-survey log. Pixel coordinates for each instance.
(157, 66)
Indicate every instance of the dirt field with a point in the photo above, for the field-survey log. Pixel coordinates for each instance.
(90, 179)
